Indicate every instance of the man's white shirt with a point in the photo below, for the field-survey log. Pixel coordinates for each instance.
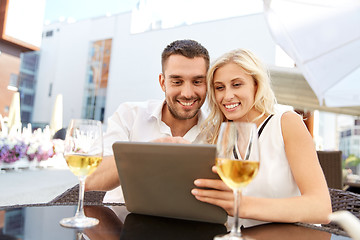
(141, 122)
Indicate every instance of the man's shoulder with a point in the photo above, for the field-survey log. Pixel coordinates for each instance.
(143, 105)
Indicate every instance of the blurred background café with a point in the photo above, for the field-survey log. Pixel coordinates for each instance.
(66, 59)
(61, 60)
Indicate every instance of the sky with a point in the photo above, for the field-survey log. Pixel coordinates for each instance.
(83, 9)
(75, 10)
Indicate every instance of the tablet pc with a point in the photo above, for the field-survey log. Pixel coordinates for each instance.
(157, 179)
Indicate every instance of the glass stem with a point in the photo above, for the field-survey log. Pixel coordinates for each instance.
(79, 236)
(236, 228)
(80, 208)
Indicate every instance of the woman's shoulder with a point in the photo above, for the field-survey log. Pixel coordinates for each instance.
(290, 117)
(283, 116)
(292, 125)
(286, 120)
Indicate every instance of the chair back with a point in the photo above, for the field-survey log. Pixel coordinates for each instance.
(342, 200)
(330, 162)
(345, 200)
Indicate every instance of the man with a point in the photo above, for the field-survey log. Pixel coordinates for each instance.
(183, 80)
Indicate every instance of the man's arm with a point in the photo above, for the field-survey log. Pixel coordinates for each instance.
(105, 177)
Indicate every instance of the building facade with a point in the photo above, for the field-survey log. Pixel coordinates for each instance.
(27, 84)
(18, 62)
(10, 68)
(98, 63)
(349, 141)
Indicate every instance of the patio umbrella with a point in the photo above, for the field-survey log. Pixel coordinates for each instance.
(57, 114)
(14, 118)
(323, 38)
(2, 126)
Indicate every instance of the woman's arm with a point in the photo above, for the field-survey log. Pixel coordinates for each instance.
(314, 204)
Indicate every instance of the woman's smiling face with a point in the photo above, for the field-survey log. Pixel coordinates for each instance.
(235, 92)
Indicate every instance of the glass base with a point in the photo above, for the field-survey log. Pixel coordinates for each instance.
(229, 236)
(79, 222)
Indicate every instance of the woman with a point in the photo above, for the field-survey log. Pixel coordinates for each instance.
(290, 185)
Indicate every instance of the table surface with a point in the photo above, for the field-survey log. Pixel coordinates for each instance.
(43, 223)
(34, 186)
(352, 184)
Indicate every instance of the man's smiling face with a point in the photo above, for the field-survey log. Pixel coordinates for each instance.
(184, 84)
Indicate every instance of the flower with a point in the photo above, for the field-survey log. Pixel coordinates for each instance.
(33, 147)
(39, 150)
(11, 150)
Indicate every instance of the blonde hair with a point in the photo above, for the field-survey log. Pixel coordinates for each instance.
(264, 96)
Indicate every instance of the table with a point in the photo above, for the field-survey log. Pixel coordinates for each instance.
(43, 223)
(34, 186)
(352, 184)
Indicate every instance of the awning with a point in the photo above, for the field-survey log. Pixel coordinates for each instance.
(292, 89)
(323, 38)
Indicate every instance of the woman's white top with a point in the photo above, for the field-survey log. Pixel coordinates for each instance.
(274, 179)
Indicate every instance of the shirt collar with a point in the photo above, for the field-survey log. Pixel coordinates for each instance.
(193, 133)
(157, 111)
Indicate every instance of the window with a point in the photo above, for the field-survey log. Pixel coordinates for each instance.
(25, 116)
(29, 61)
(94, 100)
(28, 100)
(348, 133)
(50, 89)
(49, 33)
(357, 131)
(27, 81)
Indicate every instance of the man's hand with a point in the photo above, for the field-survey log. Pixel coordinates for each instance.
(172, 140)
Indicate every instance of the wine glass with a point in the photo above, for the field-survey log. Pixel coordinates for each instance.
(237, 163)
(83, 153)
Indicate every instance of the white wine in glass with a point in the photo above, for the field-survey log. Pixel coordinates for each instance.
(83, 153)
(237, 163)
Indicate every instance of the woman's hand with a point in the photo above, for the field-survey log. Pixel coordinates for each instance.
(219, 193)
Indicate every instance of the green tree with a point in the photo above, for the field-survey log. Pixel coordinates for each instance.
(352, 161)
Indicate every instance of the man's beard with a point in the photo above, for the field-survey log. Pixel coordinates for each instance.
(179, 116)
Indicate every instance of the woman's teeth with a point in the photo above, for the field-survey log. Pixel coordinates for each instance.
(231, 106)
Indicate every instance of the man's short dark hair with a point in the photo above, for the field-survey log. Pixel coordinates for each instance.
(187, 48)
